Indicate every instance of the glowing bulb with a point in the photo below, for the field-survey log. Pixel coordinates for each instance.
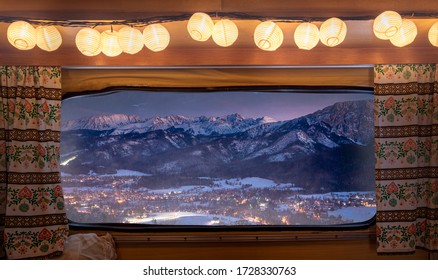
(110, 43)
(406, 34)
(200, 27)
(332, 32)
(225, 33)
(48, 38)
(387, 25)
(130, 40)
(306, 36)
(268, 36)
(156, 37)
(88, 41)
(22, 35)
(433, 34)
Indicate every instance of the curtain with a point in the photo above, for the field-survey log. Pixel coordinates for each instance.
(406, 148)
(32, 212)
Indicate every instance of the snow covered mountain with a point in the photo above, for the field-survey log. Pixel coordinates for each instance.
(105, 122)
(230, 146)
(124, 124)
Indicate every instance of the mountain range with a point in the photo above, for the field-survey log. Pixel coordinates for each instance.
(328, 150)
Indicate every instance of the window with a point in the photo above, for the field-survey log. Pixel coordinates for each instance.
(249, 157)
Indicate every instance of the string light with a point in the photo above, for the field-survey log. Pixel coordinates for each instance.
(130, 40)
(24, 36)
(156, 37)
(306, 36)
(405, 35)
(268, 36)
(387, 24)
(110, 43)
(88, 41)
(332, 32)
(225, 32)
(200, 27)
(433, 34)
(48, 38)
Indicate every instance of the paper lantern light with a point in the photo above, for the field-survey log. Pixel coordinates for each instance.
(225, 32)
(405, 35)
(130, 40)
(268, 36)
(110, 43)
(88, 41)
(156, 37)
(22, 35)
(387, 25)
(48, 38)
(200, 27)
(306, 36)
(332, 32)
(433, 34)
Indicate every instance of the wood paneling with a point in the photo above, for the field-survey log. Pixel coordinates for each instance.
(76, 80)
(359, 47)
(230, 57)
(303, 250)
(267, 245)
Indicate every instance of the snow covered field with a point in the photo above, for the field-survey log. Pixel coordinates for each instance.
(183, 218)
(228, 184)
(355, 214)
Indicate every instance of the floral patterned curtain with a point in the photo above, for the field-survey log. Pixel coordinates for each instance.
(33, 222)
(406, 146)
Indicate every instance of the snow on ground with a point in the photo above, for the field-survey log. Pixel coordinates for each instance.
(67, 190)
(253, 182)
(355, 214)
(176, 190)
(126, 172)
(227, 184)
(184, 218)
(334, 195)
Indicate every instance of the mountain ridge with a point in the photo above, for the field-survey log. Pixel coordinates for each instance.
(234, 146)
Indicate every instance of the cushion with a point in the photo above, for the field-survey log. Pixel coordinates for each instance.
(89, 246)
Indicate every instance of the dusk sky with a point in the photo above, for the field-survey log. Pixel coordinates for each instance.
(250, 104)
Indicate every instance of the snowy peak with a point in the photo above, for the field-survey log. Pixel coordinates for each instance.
(157, 122)
(203, 125)
(104, 122)
(266, 119)
(352, 120)
(234, 118)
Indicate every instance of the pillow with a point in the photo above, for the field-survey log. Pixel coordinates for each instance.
(89, 246)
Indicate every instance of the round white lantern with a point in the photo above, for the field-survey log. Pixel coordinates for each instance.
(433, 34)
(22, 35)
(332, 32)
(268, 36)
(406, 34)
(306, 36)
(156, 37)
(130, 40)
(48, 38)
(387, 25)
(200, 27)
(225, 32)
(110, 43)
(88, 41)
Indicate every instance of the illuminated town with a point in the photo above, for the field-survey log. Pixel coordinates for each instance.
(246, 201)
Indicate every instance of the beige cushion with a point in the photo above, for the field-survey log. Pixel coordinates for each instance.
(89, 246)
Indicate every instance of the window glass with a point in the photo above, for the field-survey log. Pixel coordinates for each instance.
(214, 158)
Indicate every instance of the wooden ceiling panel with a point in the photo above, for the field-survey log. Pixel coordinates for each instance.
(359, 47)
